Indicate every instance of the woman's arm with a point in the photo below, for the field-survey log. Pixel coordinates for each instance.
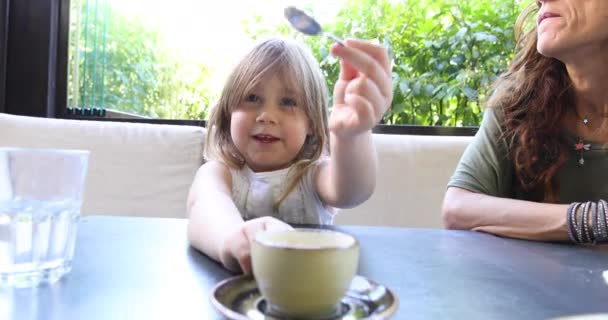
(362, 94)
(468, 210)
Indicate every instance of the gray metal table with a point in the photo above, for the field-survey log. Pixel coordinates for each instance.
(143, 268)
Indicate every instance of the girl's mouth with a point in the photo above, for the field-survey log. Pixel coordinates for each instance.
(265, 138)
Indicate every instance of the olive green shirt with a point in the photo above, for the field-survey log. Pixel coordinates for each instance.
(485, 166)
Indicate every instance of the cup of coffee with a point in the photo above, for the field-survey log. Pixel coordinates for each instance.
(304, 273)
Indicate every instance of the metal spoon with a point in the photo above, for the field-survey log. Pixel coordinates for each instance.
(307, 24)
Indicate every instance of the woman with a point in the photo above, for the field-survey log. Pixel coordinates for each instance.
(538, 167)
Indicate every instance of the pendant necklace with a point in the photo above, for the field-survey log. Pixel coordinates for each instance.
(581, 146)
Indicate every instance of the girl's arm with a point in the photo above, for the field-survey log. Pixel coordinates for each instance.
(468, 210)
(349, 177)
(362, 94)
(215, 225)
(211, 211)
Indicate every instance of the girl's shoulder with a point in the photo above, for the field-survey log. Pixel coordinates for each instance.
(214, 165)
(316, 167)
(216, 170)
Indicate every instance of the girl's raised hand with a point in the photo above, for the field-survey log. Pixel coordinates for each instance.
(364, 90)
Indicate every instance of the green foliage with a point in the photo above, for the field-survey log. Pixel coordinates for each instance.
(122, 64)
(446, 53)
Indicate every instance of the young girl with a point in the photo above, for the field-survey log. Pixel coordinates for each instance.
(268, 140)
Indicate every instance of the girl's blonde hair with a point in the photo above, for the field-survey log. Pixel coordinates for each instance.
(302, 74)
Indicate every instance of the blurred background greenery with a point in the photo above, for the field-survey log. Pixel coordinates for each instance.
(446, 53)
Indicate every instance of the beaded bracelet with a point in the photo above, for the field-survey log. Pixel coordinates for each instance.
(602, 223)
(581, 223)
(571, 222)
(604, 220)
(587, 223)
(597, 228)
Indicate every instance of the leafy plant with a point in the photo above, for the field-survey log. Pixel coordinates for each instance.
(120, 62)
(445, 55)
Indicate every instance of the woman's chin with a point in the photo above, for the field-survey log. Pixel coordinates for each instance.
(547, 50)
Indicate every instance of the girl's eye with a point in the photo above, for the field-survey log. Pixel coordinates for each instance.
(252, 98)
(288, 102)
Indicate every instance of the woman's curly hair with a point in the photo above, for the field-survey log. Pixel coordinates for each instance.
(535, 95)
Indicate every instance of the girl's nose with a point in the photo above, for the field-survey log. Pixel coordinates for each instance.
(267, 115)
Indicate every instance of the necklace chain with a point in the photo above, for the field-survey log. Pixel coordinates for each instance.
(581, 146)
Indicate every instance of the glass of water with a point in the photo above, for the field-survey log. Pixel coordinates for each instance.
(41, 193)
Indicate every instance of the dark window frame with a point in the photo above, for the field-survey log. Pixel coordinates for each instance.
(34, 66)
(35, 72)
(4, 5)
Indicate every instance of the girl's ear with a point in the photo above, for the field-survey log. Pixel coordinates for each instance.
(310, 139)
(309, 127)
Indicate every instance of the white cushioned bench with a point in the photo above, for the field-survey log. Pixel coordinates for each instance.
(146, 169)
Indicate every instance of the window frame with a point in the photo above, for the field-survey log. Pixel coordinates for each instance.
(35, 57)
(40, 88)
(4, 5)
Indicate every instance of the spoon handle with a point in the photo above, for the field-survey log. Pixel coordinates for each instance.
(333, 37)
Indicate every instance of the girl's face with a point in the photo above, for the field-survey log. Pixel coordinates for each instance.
(269, 126)
(572, 28)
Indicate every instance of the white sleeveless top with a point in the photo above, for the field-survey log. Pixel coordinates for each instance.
(254, 195)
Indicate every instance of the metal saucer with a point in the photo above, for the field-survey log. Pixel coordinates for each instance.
(589, 316)
(239, 298)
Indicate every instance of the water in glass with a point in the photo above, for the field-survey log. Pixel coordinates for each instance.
(41, 192)
(36, 240)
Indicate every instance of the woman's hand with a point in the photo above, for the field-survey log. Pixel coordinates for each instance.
(235, 252)
(364, 90)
